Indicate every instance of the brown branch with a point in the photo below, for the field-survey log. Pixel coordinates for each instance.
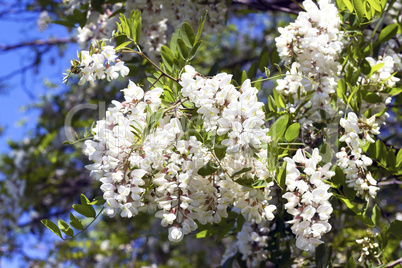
(264, 5)
(393, 181)
(394, 263)
(56, 41)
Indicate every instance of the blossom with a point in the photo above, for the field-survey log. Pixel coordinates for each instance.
(307, 195)
(93, 66)
(175, 234)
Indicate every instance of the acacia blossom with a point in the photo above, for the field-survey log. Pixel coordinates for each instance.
(144, 168)
(311, 46)
(157, 18)
(307, 195)
(352, 160)
(252, 243)
(98, 65)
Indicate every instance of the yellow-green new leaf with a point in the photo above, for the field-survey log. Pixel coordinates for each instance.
(76, 223)
(292, 132)
(387, 33)
(65, 228)
(52, 227)
(85, 210)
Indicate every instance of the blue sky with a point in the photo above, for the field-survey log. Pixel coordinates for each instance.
(24, 90)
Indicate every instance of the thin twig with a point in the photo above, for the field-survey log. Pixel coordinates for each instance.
(38, 43)
(394, 263)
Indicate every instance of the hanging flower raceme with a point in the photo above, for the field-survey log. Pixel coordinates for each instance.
(99, 64)
(307, 195)
(311, 45)
(147, 161)
(252, 243)
(352, 160)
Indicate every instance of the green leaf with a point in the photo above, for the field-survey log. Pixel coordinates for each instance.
(375, 217)
(371, 97)
(167, 56)
(396, 229)
(292, 132)
(375, 4)
(391, 159)
(195, 49)
(202, 234)
(97, 201)
(243, 76)
(65, 228)
(220, 151)
(279, 100)
(341, 5)
(365, 219)
(341, 88)
(351, 262)
(365, 67)
(267, 72)
(137, 26)
(85, 210)
(173, 40)
(258, 83)
(272, 153)
(278, 128)
(381, 152)
(201, 25)
(208, 169)
(84, 199)
(52, 226)
(339, 178)
(347, 202)
(245, 181)
(187, 34)
(349, 5)
(375, 68)
(358, 6)
(259, 184)
(183, 50)
(252, 71)
(76, 223)
(395, 91)
(274, 57)
(123, 45)
(97, 5)
(326, 153)
(264, 59)
(387, 33)
(323, 256)
(244, 170)
(281, 177)
(398, 158)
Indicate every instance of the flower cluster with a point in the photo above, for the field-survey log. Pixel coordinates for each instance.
(226, 111)
(378, 83)
(98, 65)
(157, 17)
(145, 164)
(369, 248)
(307, 195)
(354, 163)
(252, 243)
(238, 116)
(311, 46)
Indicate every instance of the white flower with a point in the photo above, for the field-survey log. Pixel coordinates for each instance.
(133, 92)
(175, 234)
